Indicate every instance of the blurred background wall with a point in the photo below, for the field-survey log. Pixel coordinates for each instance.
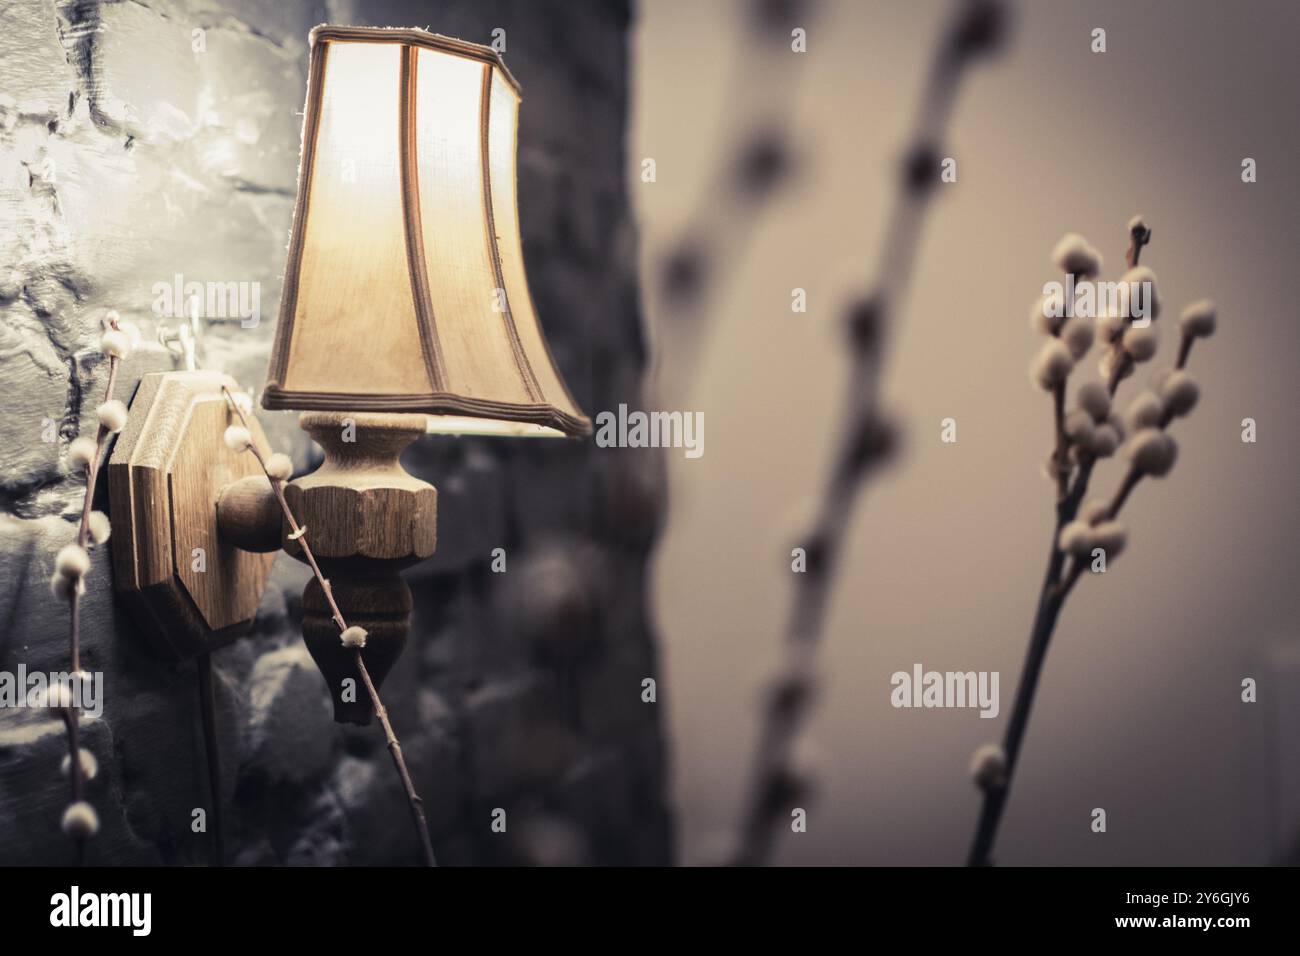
(1139, 708)
(129, 155)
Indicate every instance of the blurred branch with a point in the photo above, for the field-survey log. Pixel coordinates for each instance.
(976, 27)
(751, 173)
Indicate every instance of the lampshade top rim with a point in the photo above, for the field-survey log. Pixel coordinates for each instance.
(327, 32)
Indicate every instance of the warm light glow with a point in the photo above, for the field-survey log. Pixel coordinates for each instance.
(462, 425)
(405, 288)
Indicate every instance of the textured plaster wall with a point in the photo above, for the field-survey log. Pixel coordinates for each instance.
(128, 157)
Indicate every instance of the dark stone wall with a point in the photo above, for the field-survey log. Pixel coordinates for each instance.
(127, 157)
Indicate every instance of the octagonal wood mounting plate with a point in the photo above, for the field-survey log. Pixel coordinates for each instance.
(167, 470)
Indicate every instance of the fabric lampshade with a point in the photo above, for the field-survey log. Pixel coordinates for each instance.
(405, 288)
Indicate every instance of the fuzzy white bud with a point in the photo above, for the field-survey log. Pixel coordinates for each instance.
(72, 561)
(112, 415)
(1141, 344)
(1152, 452)
(115, 343)
(64, 587)
(238, 438)
(1052, 365)
(354, 636)
(1198, 319)
(1145, 411)
(89, 765)
(1095, 400)
(81, 453)
(80, 821)
(1075, 538)
(1077, 334)
(243, 402)
(1180, 393)
(988, 767)
(100, 527)
(279, 466)
(1074, 254)
(1104, 441)
(1078, 427)
(1143, 298)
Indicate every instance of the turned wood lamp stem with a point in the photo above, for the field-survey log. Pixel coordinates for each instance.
(366, 519)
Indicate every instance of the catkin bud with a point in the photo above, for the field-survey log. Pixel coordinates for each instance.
(1052, 365)
(1077, 334)
(354, 636)
(1180, 393)
(1140, 344)
(112, 415)
(115, 343)
(237, 438)
(89, 765)
(1074, 254)
(988, 767)
(1198, 319)
(279, 466)
(1078, 427)
(72, 561)
(1104, 441)
(80, 821)
(81, 453)
(64, 587)
(1152, 452)
(1145, 411)
(1095, 400)
(100, 527)
(1144, 297)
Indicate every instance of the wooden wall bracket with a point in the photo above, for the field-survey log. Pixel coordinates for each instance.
(194, 525)
(190, 588)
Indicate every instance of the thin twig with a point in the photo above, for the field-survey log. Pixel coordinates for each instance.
(394, 748)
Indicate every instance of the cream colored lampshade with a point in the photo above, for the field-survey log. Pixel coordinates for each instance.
(405, 288)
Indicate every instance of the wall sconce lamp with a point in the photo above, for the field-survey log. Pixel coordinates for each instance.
(405, 310)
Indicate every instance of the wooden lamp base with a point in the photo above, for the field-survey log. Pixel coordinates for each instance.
(366, 518)
(194, 524)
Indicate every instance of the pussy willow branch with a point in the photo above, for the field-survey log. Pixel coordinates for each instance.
(1051, 598)
(72, 714)
(394, 747)
(748, 179)
(865, 440)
